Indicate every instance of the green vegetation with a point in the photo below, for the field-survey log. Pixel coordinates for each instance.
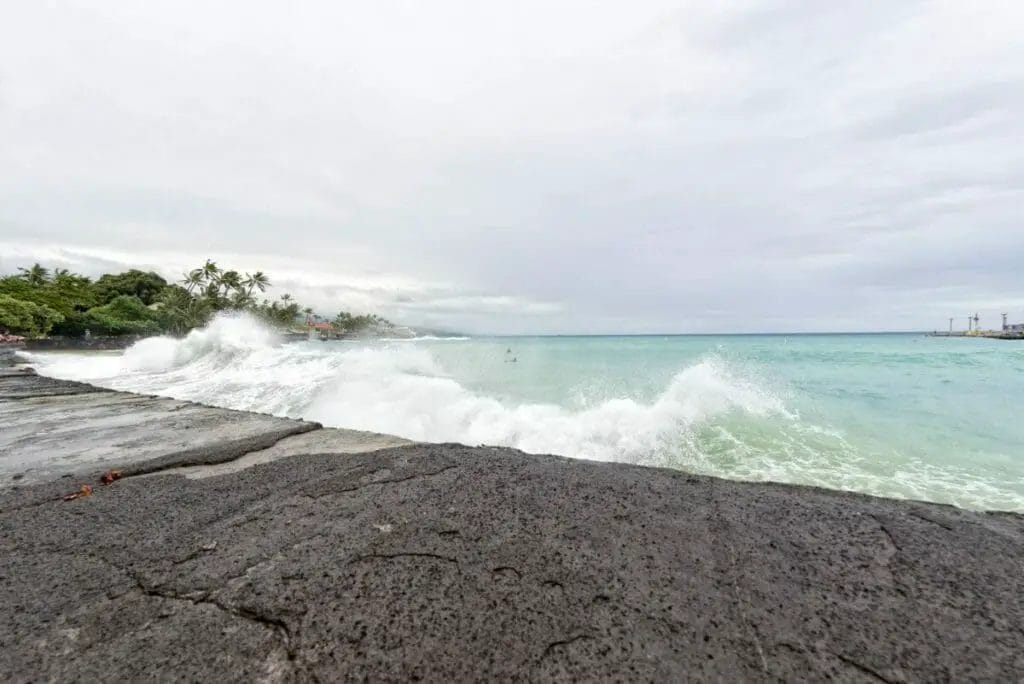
(29, 318)
(347, 324)
(146, 287)
(36, 302)
(124, 315)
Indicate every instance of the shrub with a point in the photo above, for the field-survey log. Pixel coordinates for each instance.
(124, 315)
(147, 286)
(28, 318)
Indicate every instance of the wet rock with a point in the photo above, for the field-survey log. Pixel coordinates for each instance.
(449, 562)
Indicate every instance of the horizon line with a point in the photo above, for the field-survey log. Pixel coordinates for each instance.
(701, 334)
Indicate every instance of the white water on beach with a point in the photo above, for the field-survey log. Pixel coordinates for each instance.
(875, 414)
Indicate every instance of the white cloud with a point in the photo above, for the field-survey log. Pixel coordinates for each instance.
(571, 166)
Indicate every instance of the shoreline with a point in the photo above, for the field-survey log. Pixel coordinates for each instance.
(122, 342)
(97, 343)
(983, 334)
(363, 558)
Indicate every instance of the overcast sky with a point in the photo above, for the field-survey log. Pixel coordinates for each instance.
(548, 166)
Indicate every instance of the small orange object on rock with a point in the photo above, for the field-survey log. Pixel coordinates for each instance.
(86, 490)
(110, 476)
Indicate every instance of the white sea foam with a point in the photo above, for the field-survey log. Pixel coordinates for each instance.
(228, 336)
(405, 392)
(401, 389)
(712, 417)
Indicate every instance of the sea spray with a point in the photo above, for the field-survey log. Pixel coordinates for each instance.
(820, 411)
(402, 391)
(227, 337)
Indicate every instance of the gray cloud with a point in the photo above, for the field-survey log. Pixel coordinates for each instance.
(576, 167)
(932, 112)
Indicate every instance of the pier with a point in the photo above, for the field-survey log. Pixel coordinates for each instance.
(1014, 331)
(990, 334)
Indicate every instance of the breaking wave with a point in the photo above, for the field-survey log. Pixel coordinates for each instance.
(402, 389)
(713, 417)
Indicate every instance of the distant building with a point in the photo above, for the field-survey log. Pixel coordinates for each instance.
(1015, 328)
(324, 331)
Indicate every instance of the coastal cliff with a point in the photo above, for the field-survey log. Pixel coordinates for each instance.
(240, 546)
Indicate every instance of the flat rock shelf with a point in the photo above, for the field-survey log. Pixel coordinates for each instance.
(240, 547)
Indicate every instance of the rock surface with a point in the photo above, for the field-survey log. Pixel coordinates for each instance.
(449, 562)
(54, 427)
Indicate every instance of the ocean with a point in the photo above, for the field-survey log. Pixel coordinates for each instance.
(897, 415)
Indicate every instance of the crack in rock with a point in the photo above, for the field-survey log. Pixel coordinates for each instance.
(202, 550)
(933, 521)
(864, 669)
(383, 482)
(274, 624)
(279, 555)
(200, 597)
(885, 530)
(404, 554)
(563, 642)
(501, 569)
(226, 452)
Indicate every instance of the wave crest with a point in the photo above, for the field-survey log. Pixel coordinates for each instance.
(402, 389)
(227, 335)
(714, 416)
(404, 392)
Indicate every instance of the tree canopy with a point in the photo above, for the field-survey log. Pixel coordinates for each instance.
(123, 315)
(347, 323)
(20, 316)
(38, 301)
(146, 286)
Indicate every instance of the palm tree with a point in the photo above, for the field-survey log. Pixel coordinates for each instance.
(286, 298)
(180, 312)
(309, 314)
(257, 280)
(241, 299)
(193, 279)
(211, 278)
(37, 275)
(230, 280)
(210, 270)
(343, 321)
(290, 313)
(73, 287)
(64, 278)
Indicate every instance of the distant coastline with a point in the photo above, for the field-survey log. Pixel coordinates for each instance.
(59, 309)
(121, 342)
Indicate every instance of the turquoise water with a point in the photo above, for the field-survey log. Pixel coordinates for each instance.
(900, 415)
(897, 415)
